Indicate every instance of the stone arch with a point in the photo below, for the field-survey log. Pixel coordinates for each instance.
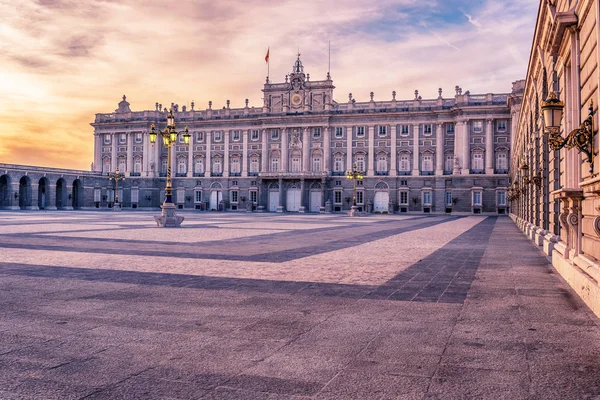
(381, 186)
(274, 186)
(216, 186)
(43, 193)
(5, 193)
(294, 185)
(77, 197)
(25, 193)
(315, 186)
(61, 193)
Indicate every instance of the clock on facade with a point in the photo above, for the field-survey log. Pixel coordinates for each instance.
(296, 99)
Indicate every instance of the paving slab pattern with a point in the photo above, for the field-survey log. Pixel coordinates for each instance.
(101, 306)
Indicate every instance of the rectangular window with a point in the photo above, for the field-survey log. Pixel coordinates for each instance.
(253, 196)
(382, 130)
(274, 164)
(338, 164)
(339, 132)
(123, 138)
(138, 137)
(477, 161)
(316, 165)
(360, 131)
(135, 195)
(502, 125)
(218, 136)
(199, 137)
(338, 183)
(427, 163)
(501, 161)
(449, 164)
(404, 130)
(477, 198)
(427, 129)
(403, 182)
(450, 129)
(235, 165)
(426, 198)
(448, 198)
(234, 196)
(234, 183)
(381, 164)
(404, 163)
(360, 197)
(198, 196)
(274, 134)
(337, 197)
(107, 138)
(254, 165)
(217, 166)
(236, 136)
(255, 134)
(404, 198)
(360, 163)
(502, 198)
(477, 126)
(97, 195)
(316, 133)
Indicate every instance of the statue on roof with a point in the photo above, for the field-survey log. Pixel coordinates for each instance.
(123, 106)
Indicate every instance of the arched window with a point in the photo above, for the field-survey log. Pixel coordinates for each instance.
(181, 165)
(477, 160)
(359, 160)
(338, 163)
(235, 165)
(502, 161)
(449, 162)
(382, 165)
(404, 162)
(199, 165)
(254, 164)
(427, 162)
(137, 164)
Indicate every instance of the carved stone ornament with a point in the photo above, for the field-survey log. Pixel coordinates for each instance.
(596, 225)
(295, 142)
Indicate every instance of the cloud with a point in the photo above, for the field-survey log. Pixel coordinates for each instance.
(65, 60)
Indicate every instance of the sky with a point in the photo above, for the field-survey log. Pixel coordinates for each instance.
(63, 61)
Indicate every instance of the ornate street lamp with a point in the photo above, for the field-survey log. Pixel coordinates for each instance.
(169, 135)
(116, 177)
(581, 138)
(355, 175)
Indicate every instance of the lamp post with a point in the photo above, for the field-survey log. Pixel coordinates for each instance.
(581, 138)
(169, 135)
(355, 175)
(116, 177)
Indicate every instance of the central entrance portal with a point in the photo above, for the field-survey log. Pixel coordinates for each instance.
(293, 198)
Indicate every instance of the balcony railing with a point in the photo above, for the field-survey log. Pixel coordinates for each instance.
(198, 174)
(382, 173)
(293, 174)
(502, 171)
(403, 173)
(135, 174)
(235, 174)
(216, 174)
(338, 173)
(181, 174)
(252, 173)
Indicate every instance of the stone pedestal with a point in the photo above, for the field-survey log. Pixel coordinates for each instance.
(168, 218)
(116, 207)
(353, 211)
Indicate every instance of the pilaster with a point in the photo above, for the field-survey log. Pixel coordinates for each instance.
(393, 151)
(129, 154)
(489, 146)
(415, 155)
(439, 149)
(245, 153)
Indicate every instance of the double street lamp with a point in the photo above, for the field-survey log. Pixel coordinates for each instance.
(169, 135)
(355, 175)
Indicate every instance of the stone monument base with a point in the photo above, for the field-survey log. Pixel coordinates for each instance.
(168, 218)
(354, 211)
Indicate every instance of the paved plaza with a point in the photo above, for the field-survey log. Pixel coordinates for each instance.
(104, 305)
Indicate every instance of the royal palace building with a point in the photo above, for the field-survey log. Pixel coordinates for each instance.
(441, 155)
(555, 193)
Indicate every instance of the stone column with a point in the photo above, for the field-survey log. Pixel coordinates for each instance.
(327, 149)
(305, 149)
(113, 153)
(190, 163)
(394, 152)
(415, 160)
(129, 154)
(489, 146)
(439, 150)
(284, 150)
(208, 160)
(264, 154)
(98, 141)
(280, 207)
(349, 155)
(371, 155)
(245, 153)
(466, 149)
(157, 152)
(302, 196)
(145, 155)
(226, 155)
(173, 151)
(458, 156)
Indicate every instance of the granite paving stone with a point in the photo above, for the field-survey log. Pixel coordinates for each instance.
(98, 305)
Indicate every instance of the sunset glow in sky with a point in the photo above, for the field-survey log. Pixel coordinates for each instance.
(63, 61)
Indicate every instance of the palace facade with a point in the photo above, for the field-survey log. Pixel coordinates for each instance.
(291, 154)
(556, 192)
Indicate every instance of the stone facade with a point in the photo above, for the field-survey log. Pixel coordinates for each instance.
(560, 207)
(291, 154)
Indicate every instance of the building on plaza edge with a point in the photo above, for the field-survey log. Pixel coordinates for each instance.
(555, 194)
(431, 156)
